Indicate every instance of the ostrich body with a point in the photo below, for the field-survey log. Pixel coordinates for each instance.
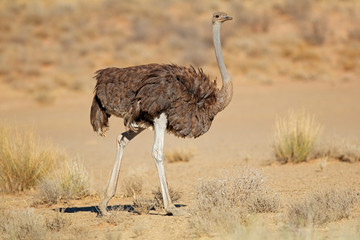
(166, 97)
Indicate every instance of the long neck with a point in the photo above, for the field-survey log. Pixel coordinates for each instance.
(226, 91)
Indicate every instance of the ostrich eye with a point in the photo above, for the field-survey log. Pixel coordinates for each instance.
(217, 16)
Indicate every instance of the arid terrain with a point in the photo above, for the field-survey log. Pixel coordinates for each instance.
(281, 56)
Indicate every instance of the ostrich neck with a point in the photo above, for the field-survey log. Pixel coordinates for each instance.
(226, 91)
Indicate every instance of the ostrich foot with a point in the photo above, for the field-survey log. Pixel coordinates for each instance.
(102, 207)
(174, 211)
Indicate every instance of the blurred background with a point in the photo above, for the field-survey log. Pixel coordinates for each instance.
(52, 48)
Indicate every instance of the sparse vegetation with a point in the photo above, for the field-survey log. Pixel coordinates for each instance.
(222, 204)
(23, 160)
(143, 204)
(48, 68)
(179, 155)
(71, 181)
(322, 207)
(58, 223)
(26, 224)
(159, 203)
(295, 137)
(342, 149)
(22, 224)
(132, 186)
(44, 97)
(298, 9)
(314, 31)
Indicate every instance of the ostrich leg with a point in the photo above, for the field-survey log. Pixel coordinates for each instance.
(158, 154)
(121, 141)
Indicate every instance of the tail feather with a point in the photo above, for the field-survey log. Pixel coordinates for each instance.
(99, 118)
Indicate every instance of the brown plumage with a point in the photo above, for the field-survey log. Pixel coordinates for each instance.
(141, 93)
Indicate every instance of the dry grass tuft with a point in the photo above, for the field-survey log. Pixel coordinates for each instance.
(58, 223)
(143, 204)
(159, 203)
(342, 149)
(119, 217)
(23, 160)
(322, 207)
(69, 182)
(295, 137)
(139, 230)
(179, 155)
(132, 186)
(44, 98)
(222, 204)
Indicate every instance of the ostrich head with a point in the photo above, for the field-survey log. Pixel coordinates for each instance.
(220, 17)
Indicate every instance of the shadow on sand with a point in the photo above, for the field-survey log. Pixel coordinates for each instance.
(95, 209)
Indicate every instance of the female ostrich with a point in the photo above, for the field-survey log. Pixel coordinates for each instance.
(166, 97)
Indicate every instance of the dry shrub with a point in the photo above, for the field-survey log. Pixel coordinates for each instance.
(354, 34)
(44, 97)
(354, 31)
(119, 217)
(58, 223)
(299, 9)
(23, 160)
(295, 136)
(132, 186)
(222, 204)
(22, 224)
(348, 57)
(314, 31)
(143, 204)
(255, 19)
(179, 155)
(26, 224)
(71, 181)
(342, 149)
(159, 203)
(139, 230)
(322, 207)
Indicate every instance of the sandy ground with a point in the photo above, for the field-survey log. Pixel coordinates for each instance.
(240, 136)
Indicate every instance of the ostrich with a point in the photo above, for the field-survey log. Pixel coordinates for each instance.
(165, 97)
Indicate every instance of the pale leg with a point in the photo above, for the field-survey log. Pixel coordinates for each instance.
(158, 154)
(121, 141)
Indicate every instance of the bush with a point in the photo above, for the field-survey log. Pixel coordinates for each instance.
(342, 149)
(299, 9)
(322, 207)
(179, 155)
(25, 224)
(314, 31)
(222, 204)
(143, 204)
(21, 224)
(132, 186)
(70, 182)
(159, 203)
(23, 161)
(295, 137)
